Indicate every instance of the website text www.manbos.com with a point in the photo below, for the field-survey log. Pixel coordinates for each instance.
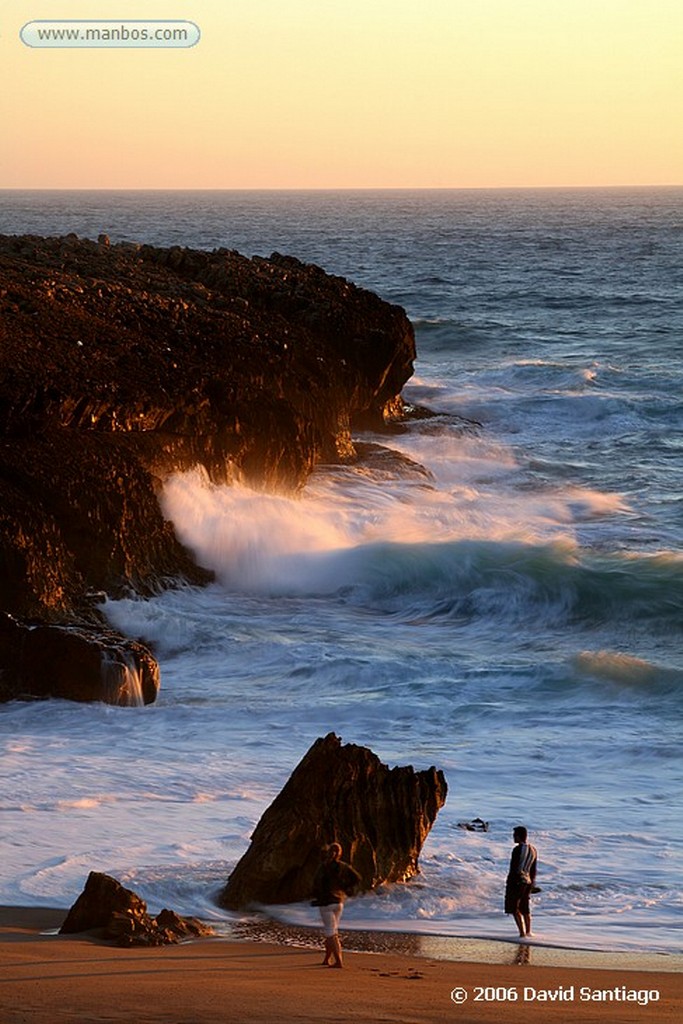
(110, 33)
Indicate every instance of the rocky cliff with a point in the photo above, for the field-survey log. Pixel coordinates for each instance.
(120, 364)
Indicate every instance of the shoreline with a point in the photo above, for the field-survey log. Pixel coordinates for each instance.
(44, 922)
(457, 949)
(79, 978)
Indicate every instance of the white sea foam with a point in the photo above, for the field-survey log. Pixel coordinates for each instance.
(255, 541)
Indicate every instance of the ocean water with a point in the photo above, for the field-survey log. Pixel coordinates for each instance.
(507, 607)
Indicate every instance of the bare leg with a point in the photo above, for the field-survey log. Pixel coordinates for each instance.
(337, 952)
(527, 923)
(519, 921)
(329, 950)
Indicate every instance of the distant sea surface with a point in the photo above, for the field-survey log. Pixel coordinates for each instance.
(514, 616)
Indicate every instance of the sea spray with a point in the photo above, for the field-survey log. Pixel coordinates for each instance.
(384, 555)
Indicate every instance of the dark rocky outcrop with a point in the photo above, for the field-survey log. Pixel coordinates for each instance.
(77, 663)
(340, 793)
(120, 364)
(119, 914)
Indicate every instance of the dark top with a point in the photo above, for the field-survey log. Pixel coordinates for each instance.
(334, 881)
(520, 879)
(523, 864)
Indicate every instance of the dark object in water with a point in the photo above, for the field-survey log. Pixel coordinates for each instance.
(476, 825)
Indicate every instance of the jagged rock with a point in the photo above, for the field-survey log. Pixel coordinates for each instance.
(381, 462)
(120, 364)
(128, 928)
(339, 793)
(101, 897)
(120, 914)
(75, 663)
(182, 927)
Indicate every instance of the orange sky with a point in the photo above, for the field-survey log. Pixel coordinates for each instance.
(332, 94)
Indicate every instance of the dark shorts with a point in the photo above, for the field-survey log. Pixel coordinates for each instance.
(517, 897)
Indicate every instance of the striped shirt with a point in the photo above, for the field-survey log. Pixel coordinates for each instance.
(523, 862)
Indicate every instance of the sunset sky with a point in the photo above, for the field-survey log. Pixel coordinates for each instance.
(350, 94)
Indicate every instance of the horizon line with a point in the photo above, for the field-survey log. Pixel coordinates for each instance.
(334, 188)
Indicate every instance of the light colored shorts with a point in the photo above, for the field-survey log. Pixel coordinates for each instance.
(330, 917)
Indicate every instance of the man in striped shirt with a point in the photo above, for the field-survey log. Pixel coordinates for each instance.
(520, 881)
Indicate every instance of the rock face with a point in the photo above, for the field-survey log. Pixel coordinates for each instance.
(120, 364)
(340, 793)
(84, 664)
(120, 914)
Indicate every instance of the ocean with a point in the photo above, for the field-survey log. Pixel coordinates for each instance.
(505, 603)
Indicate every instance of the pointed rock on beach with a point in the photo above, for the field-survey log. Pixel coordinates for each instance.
(338, 793)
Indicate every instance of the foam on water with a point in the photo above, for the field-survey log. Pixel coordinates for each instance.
(449, 549)
(476, 489)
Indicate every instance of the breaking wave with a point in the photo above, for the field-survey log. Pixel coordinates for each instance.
(514, 580)
(265, 544)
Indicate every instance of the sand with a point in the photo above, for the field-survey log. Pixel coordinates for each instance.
(45, 978)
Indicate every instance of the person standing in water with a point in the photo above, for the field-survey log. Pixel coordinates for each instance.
(333, 882)
(520, 881)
